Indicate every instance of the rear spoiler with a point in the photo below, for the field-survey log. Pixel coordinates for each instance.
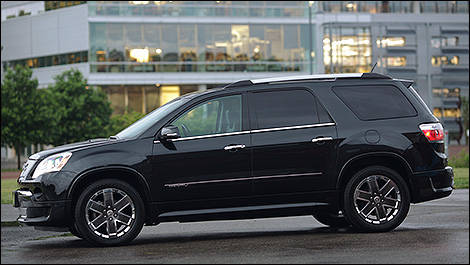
(405, 82)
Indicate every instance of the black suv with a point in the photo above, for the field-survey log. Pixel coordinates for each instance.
(349, 149)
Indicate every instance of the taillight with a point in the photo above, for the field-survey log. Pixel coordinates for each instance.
(433, 131)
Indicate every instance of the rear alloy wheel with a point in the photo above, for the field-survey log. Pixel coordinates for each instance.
(109, 212)
(376, 199)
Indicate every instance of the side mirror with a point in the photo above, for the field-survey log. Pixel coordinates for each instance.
(170, 132)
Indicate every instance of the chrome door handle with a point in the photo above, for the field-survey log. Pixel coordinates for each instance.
(320, 139)
(234, 147)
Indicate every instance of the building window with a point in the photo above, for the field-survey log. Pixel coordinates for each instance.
(346, 49)
(445, 60)
(447, 112)
(51, 5)
(395, 61)
(446, 92)
(192, 8)
(438, 42)
(46, 61)
(198, 47)
(391, 42)
(143, 98)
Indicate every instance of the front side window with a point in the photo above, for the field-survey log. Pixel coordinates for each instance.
(220, 115)
(286, 108)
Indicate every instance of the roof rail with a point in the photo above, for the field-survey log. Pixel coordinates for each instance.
(375, 76)
(307, 77)
(239, 83)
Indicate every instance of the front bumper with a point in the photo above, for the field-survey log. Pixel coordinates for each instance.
(434, 184)
(37, 211)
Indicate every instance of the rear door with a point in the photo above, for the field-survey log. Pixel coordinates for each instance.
(292, 141)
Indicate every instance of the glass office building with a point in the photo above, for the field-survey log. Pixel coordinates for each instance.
(144, 53)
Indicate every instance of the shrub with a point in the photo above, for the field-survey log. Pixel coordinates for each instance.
(460, 160)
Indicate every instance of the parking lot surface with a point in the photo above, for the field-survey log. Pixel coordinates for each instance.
(434, 232)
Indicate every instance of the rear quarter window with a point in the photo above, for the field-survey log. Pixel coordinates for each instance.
(375, 102)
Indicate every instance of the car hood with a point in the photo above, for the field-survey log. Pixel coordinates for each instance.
(74, 146)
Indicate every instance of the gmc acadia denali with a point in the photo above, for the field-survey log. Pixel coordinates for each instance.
(350, 149)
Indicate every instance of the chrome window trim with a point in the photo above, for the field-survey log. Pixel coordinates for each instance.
(294, 127)
(185, 184)
(252, 131)
(210, 136)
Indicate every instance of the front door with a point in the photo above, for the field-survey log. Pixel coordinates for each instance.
(293, 140)
(211, 158)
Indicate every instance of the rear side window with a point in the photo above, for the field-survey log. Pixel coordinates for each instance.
(285, 108)
(375, 102)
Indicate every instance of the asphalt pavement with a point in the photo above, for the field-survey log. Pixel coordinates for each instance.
(434, 232)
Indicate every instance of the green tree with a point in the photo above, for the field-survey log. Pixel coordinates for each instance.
(120, 122)
(21, 103)
(464, 111)
(80, 113)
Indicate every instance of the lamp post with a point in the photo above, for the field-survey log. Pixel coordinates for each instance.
(310, 4)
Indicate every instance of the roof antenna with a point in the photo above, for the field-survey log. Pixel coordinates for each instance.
(373, 67)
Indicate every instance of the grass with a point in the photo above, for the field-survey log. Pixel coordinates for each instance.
(10, 170)
(9, 185)
(10, 223)
(461, 178)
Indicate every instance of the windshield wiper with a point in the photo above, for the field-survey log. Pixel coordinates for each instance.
(113, 137)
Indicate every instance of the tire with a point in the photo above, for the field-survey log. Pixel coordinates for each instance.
(74, 231)
(331, 219)
(376, 199)
(109, 212)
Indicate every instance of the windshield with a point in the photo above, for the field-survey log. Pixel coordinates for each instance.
(150, 119)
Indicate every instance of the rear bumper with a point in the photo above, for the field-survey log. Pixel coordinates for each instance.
(434, 184)
(35, 211)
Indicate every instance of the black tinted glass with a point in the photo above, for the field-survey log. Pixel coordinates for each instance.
(323, 115)
(284, 108)
(375, 102)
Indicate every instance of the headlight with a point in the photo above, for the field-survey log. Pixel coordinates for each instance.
(52, 163)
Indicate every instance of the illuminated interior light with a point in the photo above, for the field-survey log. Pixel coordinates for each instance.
(350, 5)
(138, 2)
(141, 55)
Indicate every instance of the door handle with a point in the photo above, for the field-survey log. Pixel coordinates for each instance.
(321, 139)
(234, 147)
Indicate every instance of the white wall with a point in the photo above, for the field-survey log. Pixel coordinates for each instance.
(54, 32)
(45, 75)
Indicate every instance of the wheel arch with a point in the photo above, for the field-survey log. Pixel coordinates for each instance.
(123, 173)
(387, 159)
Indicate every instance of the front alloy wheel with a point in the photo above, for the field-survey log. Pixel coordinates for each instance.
(376, 199)
(109, 212)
